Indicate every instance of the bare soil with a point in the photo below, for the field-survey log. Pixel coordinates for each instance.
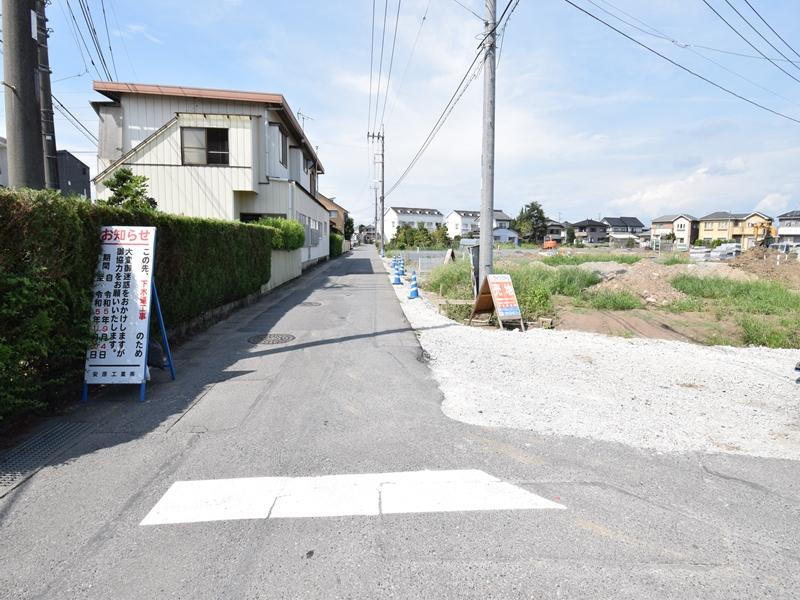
(769, 264)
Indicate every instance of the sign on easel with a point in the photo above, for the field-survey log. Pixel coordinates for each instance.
(122, 298)
(496, 295)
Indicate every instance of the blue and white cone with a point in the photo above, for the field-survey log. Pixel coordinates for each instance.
(402, 268)
(413, 277)
(397, 280)
(414, 292)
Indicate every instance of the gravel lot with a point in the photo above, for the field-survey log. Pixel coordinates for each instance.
(656, 394)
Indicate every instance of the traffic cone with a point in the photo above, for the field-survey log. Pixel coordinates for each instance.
(414, 292)
(396, 280)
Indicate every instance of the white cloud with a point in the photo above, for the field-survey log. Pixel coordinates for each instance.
(133, 30)
(774, 203)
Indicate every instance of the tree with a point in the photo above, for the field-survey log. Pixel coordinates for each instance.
(349, 228)
(531, 223)
(440, 238)
(129, 191)
(570, 235)
(422, 237)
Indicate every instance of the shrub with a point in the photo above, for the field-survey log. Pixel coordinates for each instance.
(335, 244)
(288, 234)
(48, 255)
(613, 300)
(577, 259)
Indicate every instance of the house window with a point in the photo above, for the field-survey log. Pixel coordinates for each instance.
(681, 226)
(708, 225)
(204, 146)
(283, 143)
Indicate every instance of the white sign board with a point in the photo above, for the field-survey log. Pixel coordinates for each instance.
(121, 305)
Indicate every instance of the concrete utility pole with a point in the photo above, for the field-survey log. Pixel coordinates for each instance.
(48, 124)
(21, 80)
(380, 137)
(487, 155)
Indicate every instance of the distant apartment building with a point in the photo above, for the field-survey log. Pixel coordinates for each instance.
(396, 216)
(683, 226)
(789, 227)
(73, 175)
(213, 153)
(462, 223)
(744, 228)
(589, 231)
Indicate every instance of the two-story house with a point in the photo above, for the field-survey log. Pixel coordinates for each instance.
(623, 229)
(395, 216)
(338, 213)
(462, 223)
(789, 227)
(212, 153)
(589, 231)
(556, 231)
(743, 228)
(683, 226)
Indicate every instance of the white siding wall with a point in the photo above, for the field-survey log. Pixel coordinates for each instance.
(393, 220)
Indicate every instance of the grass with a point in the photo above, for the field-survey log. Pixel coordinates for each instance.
(685, 305)
(763, 332)
(759, 297)
(613, 300)
(453, 280)
(675, 259)
(577, 259)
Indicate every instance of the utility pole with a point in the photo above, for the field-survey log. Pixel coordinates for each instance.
(380, 137)
(375, 221)
(48, 124)
(21, 80)
(487, 154)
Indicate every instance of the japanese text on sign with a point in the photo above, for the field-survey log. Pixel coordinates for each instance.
(121, 305)
(505, 300)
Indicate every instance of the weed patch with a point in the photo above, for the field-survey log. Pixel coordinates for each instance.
(577, 259)
(613, 300)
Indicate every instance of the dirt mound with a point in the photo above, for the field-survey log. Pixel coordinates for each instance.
(769, 264)
(650, 280)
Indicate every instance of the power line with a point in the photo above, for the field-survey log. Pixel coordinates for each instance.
(771, 29)
(468, 9)
(391, 61)
(760, 34)
(74, 36)
(87, 17)
(380, 66)
(410, 57)
(503, 34)
(108, 38)
(753, 46)
(680, 66)
(124, 44)
(83, 39)
(75, 121)
(371, 66)
(661, 35)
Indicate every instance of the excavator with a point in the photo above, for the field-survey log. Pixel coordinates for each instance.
(763, 234)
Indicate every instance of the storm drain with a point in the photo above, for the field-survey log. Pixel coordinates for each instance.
(23, 461)
(311, 304)
(271, 339)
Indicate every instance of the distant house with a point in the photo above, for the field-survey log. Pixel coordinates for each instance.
(789, 227)
(683, 226)
(73, 175)
(395, 216)
(589, 231)
(501, 228)
(743, 228)
(556, 231)
(461, 222)
(623, 230)
(338, 214)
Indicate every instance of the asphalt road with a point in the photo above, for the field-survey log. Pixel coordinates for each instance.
(352, 394)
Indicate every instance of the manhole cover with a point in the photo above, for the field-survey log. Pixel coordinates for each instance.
(311, 304)
(270, 339)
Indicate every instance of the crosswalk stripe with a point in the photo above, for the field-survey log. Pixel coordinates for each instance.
(367, 494)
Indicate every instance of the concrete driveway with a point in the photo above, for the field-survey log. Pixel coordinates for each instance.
(346, 408)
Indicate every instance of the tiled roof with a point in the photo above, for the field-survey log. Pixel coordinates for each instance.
(792, 214)
(588, 223)
(467, 213)
(402, 210)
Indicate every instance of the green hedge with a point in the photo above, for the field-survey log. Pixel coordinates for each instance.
(336, 246)
(48, 255)
(288, 235)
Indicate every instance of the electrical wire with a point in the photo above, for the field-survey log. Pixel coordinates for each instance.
(83, 40)
(380, 66)
(661, 35)
(410, 57)
(680, 66)
(74, 120)
(753, 46)
(108, 38)
(391, 61)
(503, 34)
(87, 17)
(771, 29)
(371, 67)
(760, 34)
(468, 9)
(122, 38)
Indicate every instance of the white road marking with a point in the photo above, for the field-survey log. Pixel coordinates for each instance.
(366, 494)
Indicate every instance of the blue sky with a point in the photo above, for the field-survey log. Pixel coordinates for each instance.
(588, 123)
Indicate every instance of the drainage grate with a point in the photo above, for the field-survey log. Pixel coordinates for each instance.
(270, 339)
(23, 461)
(311, 304)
